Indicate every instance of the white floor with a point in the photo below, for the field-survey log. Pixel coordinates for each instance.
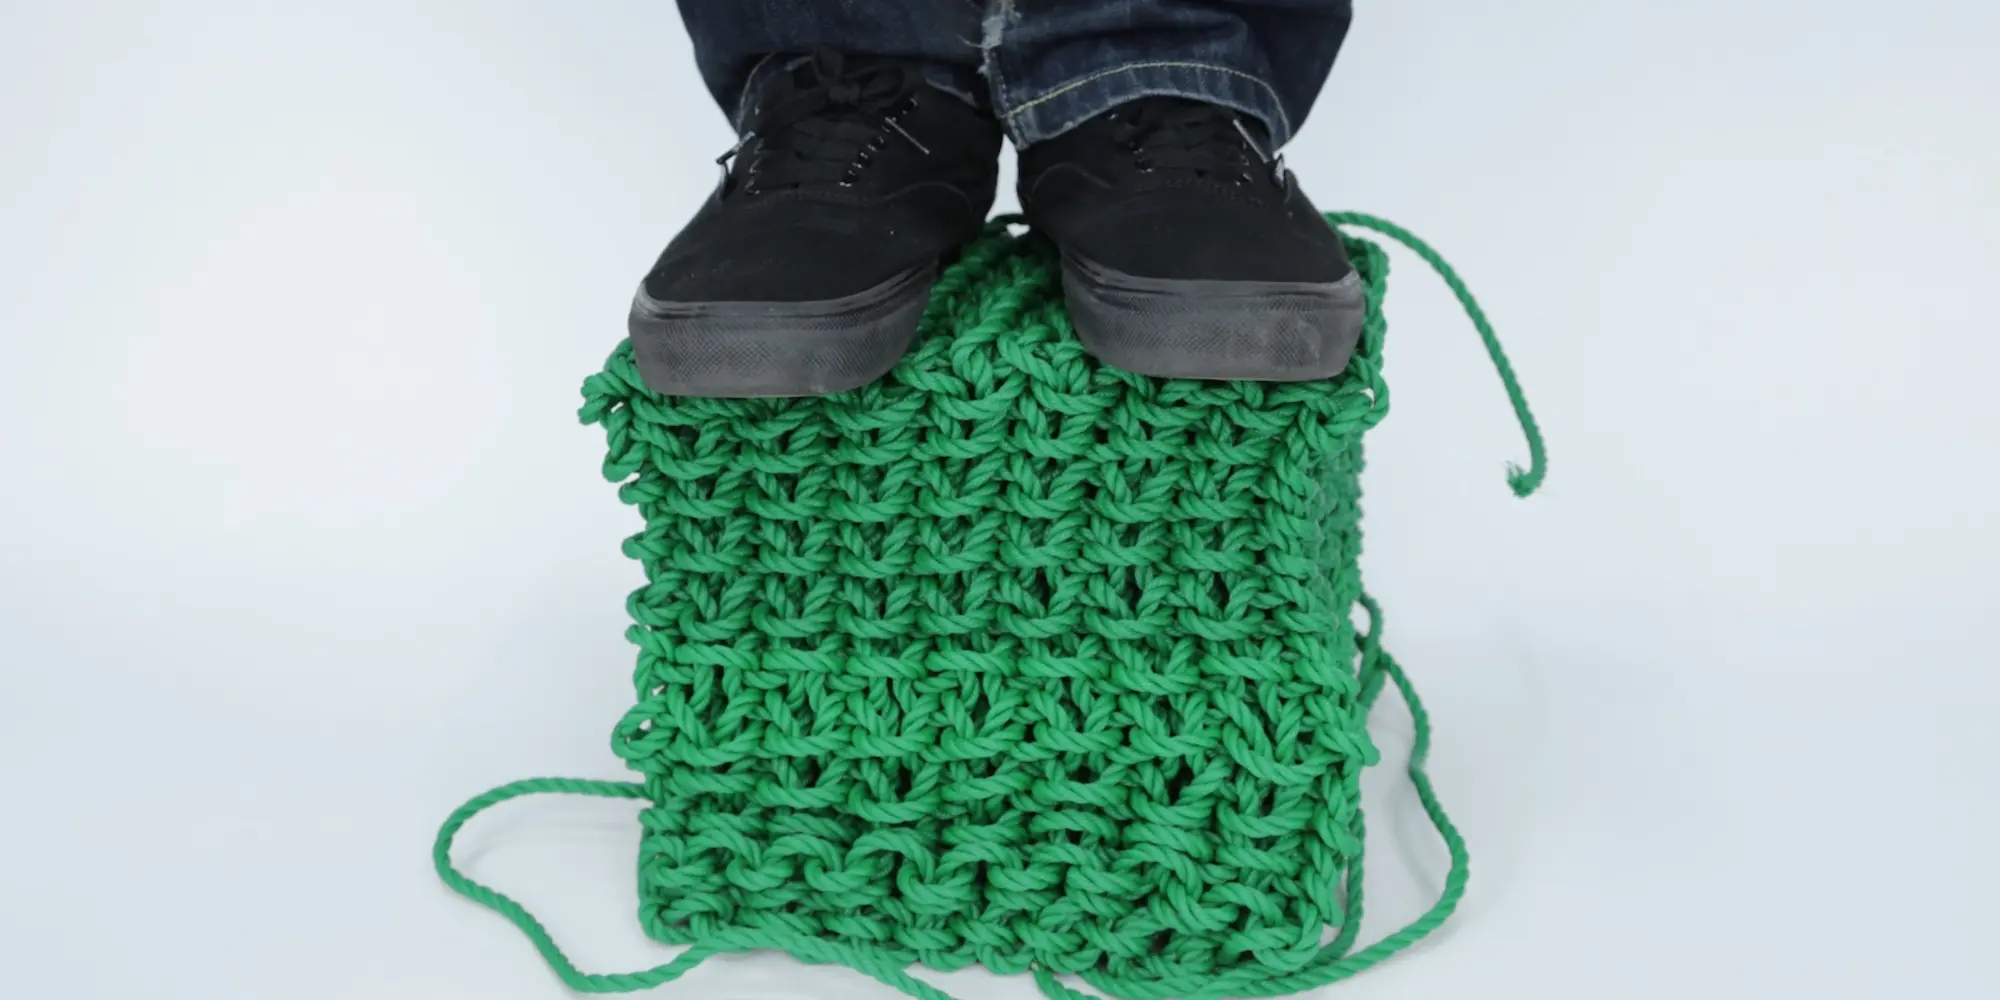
(300, 544)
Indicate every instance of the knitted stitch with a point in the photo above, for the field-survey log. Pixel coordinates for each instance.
(1010, 659)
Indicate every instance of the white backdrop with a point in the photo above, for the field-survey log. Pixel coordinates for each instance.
(300, 544)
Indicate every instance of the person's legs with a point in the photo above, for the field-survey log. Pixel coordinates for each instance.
(1054, 64)
(867, 156)
(1048, 64)
(739, 44)
(1149, 131)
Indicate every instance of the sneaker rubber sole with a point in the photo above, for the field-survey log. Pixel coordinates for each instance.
(738, 350)
(1267, 331)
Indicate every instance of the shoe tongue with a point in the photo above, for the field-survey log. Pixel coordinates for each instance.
(846, 78)
(859, 89)
(844, 92)
(1171, 108)
(806, 72)
(1259, 135)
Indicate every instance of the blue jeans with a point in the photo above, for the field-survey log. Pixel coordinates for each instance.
(1043, 66)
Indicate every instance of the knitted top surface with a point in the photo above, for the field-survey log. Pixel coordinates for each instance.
(1010, 658)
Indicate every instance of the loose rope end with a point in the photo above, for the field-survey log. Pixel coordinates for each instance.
(1522, 481)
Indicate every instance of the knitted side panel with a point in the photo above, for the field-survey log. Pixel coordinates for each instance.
(1009, 659)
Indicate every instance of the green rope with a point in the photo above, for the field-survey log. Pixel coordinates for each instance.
(1523, 481)
(1011, 660)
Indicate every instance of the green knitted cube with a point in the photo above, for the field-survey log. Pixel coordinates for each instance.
(1010, 659)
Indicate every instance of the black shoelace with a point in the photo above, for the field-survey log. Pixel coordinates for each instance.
(825, 121)
(1196, 139)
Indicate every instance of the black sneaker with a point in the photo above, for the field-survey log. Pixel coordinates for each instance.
(1188, 250)
(808, 269)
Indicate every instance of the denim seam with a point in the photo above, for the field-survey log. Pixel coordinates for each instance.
(994, 33)
(1135, 67)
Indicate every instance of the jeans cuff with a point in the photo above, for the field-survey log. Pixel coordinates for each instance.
(1032, 118)
(963, 83)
